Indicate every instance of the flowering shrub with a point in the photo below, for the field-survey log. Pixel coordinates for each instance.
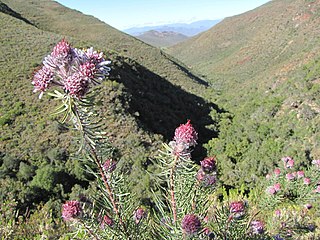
(72, 69)
(185, 203)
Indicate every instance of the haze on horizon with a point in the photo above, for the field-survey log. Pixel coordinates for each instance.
(123, 14)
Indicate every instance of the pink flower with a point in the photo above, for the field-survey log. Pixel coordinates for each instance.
(271, 190)
(94, 56)
(71, 210)
(288, 162)
(317, 190)
(62, 48)
(207, 179)
(75, 85)
(277, 187)
(190, 224)
(257, 227)
(201, 175)
(106, 221)
(268, 176)
(306, 181)
(316, 163)
(208, 164)
(277, 171)
(308, 206)
(277, 212)
(300, 174)
(290, 176)
(109, 165)
(72, 69)
(185, 134)
(237, 208)
(88, 69)
(42, 79)
(139, 214)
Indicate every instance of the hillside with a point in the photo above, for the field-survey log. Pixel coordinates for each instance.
(263, 68)
(161, 39)
(147, 97)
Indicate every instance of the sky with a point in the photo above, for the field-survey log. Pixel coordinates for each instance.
(123, 14)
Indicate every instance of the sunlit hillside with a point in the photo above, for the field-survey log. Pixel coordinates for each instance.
(263, 68)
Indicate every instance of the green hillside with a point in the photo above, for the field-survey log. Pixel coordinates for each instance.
(162, 39)
(263, 68)
(147, 97)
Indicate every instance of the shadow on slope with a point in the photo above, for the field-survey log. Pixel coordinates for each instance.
(184, 69)
(7, 10)
(160, 106)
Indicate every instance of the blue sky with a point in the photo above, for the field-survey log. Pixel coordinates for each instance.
(124, 14)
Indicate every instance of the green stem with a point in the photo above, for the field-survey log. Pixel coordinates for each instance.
(173, 201)
(101, 172)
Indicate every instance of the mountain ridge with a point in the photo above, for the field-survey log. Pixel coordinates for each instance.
(161, 39)
(188, 29)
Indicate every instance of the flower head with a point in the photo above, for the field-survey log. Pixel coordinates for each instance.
(277, 187)
(190, 224)
(75, 85)
(277, 212)
(208, 165)
(317, 190)
(106, 221)
(185, 134)
(42, 79)
(71, 210)
(237, 209)
(300, 174)
(71, 69)
(62, 48)
(288, 162)
(277, 172)
(257, 227)
(139, 214)
(316, 163)
(207, 179)
(306, 181)
(271, 190)
(290, 176)
(109, 165)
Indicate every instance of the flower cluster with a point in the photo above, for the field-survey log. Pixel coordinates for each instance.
(207, 175)
(106, 220)
(109, 165)
(139, 214)
(237, 209)
(257, 227)
(71, 210)
(190, 224)
(185, 137)
(293, 183)
(72, 69)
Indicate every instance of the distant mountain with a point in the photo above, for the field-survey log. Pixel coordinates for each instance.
(162, 39)
(187, 29)
(264, 68)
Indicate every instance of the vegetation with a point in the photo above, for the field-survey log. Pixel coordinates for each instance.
(147, 96)
(161, 39)
(263, 69)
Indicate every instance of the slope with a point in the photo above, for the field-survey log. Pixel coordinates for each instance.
(263, 67)
(161, 39)
(140, 101)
